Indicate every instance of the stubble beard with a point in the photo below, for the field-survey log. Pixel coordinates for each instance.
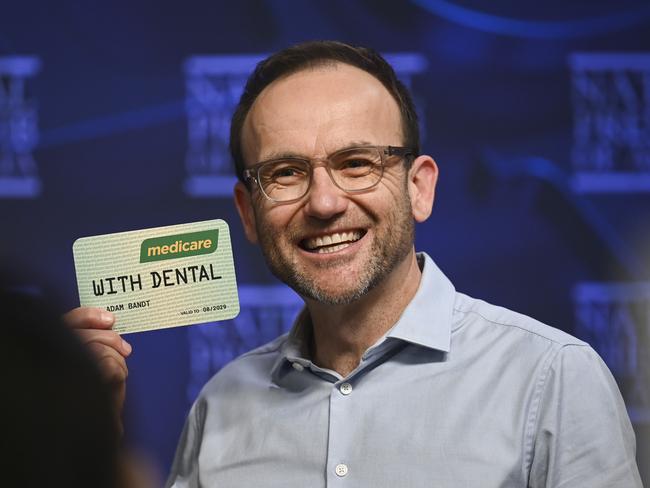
(391, 245)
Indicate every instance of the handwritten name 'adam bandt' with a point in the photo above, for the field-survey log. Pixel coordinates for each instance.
(166, 277)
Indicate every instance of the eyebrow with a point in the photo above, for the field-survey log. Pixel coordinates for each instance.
(290, 154)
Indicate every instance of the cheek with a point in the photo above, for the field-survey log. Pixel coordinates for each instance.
(393, 188)
(274, 221)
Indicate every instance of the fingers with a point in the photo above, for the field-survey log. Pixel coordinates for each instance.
(107, 338)
(93, 327)
(119, 395)
(92, 324)
(89, 318)
(111, 363)
(110, 350)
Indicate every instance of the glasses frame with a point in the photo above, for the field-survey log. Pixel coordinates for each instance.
(385, 152)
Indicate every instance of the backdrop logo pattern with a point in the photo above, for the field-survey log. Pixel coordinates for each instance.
(18, 128)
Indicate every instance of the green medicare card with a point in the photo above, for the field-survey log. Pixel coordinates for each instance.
(162, 277)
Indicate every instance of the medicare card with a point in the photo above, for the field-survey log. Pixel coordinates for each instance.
(161, 277)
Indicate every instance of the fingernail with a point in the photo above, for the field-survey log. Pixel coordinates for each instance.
(126, 346)
(107, 317)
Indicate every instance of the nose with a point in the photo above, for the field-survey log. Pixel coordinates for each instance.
(325, 200)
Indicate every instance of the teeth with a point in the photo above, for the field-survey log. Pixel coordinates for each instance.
(336, 241)
(338, 247)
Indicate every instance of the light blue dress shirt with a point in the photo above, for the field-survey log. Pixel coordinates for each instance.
(459, 393)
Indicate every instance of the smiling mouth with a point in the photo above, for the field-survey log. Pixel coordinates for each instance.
(333, 242)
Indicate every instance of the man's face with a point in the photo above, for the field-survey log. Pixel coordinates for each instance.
(330, 246)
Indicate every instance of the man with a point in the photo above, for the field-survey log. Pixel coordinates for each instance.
(389, 377)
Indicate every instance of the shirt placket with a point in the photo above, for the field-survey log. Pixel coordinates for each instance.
(340, 466)
(344, 397)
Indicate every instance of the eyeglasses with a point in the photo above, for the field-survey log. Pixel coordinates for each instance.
(353, 170)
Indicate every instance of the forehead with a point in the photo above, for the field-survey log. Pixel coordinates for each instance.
(318, 110)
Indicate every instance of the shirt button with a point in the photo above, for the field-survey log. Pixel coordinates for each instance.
(297, 366)
(341, 470)
(346, 389)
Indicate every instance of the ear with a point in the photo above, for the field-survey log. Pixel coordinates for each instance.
(246, 213)
(422, 179)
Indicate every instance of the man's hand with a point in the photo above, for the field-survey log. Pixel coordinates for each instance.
(93, 326)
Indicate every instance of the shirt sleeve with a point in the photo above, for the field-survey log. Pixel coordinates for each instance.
(185, 468)
(582, 435)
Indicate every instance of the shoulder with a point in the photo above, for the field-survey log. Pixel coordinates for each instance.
(484, 317)
(529, 347)
(532, 350)
(495, 342)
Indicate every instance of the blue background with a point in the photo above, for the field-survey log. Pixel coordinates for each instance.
(497, 111)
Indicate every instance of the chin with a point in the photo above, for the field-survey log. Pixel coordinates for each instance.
(332, 293)
(333, 297)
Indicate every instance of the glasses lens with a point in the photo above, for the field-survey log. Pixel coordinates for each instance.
(284, 180)
(357, 169)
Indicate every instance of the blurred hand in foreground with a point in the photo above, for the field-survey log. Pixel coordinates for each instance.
(93, 326)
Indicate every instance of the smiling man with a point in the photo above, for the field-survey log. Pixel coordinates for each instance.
(389, 377)
(333, 212)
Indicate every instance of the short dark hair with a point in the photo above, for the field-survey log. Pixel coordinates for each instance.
(310, 55)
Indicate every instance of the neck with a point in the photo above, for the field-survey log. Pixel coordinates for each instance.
(342, 333)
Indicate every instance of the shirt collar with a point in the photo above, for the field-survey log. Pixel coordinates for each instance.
(427, 318)
(426, 321)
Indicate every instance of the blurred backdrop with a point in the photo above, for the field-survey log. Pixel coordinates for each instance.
(115, 116)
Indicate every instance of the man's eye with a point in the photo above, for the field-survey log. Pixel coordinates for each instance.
(356, 163)
(284, 174)
(288, 171)
(355, 167)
